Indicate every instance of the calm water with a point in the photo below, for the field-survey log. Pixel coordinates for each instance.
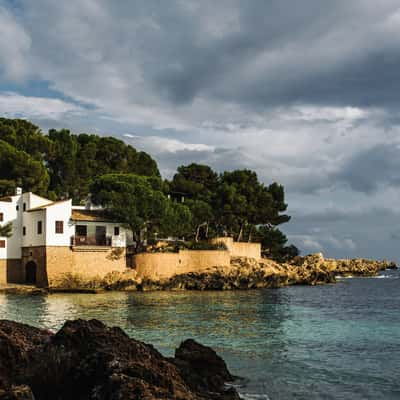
(328, 342)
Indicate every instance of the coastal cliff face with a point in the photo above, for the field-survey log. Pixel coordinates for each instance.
(248, 273)
(87, 360)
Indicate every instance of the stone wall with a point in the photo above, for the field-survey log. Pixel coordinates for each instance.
(240, 249)
(3, 272)
(37, 254)
(55, 263)
(11, 272)
(87, 263)
(15, 272)
(165, 265)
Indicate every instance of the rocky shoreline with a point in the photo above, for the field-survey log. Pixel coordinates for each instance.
(247, 273)
(88, 360)
(243, 273)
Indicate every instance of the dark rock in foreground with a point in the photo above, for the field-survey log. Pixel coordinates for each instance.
(87, 360)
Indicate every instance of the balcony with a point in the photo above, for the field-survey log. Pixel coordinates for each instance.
(91, 243)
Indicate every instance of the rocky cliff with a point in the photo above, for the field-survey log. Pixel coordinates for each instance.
(247, 273)
(87, 360)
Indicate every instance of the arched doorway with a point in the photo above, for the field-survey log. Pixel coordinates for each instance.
(30, 272)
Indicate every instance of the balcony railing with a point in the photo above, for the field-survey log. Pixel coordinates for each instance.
(91, 240)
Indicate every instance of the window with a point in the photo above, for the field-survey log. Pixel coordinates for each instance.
(116, 230)
(39, 227)
(1, 217)
(17, 208)
(81, 230)
(24, 206)
(24, 230)
(59, 226)
(2, 244)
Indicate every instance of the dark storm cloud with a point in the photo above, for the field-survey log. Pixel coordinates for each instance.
(373, 169)
(361, 233)
(312, 54)
(256, 54)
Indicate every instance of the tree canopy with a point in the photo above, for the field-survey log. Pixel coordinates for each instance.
(62, 164)
(137, 201)
(233, 203)
(18, 168)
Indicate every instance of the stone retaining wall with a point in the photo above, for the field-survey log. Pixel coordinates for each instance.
(15, 273)
(165, 265)
(11, 271)
(87, 263)
(3, 272)
(240, 249)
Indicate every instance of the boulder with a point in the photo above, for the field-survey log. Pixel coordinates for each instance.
(17, 342)
(88, 360)
(201, 367)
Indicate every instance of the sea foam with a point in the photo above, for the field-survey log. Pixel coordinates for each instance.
(248, 396)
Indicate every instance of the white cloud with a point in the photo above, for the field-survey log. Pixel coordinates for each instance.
(322, 242)
(16, 105)
(160, 144)
(307, 243)
(334, 114)
(14, 47)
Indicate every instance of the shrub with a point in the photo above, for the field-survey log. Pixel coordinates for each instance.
(204, 245)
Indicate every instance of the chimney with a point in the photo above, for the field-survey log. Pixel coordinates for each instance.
(88, 203)
(18, 191)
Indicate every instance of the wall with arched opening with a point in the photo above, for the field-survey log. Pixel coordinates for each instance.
(31, 273)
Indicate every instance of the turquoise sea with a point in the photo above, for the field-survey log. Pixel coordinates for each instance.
(337, 341)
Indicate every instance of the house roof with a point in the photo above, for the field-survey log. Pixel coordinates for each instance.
(91, 216)
(46, 205)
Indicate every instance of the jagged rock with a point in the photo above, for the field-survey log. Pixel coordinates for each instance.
(16, 343)
(201, 367)
(87, 360)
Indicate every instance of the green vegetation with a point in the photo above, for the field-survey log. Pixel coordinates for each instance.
(236, 204)
(274, 244)
(175, 246)
(196, 204)
(6, 230)
(139, 203)
(60, 164)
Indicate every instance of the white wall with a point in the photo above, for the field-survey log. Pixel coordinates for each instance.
(13, 244)
(30, 222)
(33, 200)
(30, 219)
(59, 212)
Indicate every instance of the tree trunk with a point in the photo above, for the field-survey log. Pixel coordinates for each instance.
(240, 233)
(207, 230)
(250, 232)
(197, 233)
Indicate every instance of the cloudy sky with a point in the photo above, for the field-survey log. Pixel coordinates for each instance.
(306, 93)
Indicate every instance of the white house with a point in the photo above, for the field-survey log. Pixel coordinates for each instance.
(52, 239)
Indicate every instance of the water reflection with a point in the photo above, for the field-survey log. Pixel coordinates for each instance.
(228, 321)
